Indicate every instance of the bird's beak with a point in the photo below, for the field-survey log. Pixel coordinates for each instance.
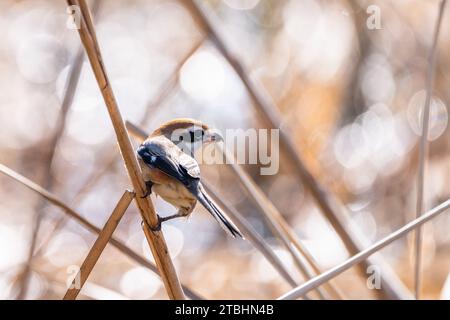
(212, 136)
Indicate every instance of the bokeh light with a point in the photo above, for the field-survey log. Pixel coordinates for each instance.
(139, 283)
(438, 119)
(351, 98)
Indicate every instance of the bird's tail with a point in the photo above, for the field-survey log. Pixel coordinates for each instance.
(223, 220)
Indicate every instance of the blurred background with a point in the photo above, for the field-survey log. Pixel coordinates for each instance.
(350, 97)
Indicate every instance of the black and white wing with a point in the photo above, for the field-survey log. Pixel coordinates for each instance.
(162, 154)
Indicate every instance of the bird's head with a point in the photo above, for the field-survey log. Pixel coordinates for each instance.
(188, 131)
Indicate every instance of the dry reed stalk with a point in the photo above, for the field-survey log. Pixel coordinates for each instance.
(99, 245)
(119, 245)
(423, 149)
(334, 211)
(247, 230)
(48, 180)
(361, 256)
(155, 238)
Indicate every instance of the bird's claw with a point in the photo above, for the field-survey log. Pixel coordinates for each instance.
(161, 220)
(148, 192)
(156, 228)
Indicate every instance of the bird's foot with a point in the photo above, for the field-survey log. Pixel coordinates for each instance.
(161, 220)
(156, 228)
(149, 186)
(174, 216)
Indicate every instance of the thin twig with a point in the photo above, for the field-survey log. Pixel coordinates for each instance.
(423, 150)
(85, 223)
(247, 230)
(353, 239)
(361, 256)
(99, 245)
(155, 239)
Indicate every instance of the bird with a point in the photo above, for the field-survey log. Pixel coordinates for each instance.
(170, 170)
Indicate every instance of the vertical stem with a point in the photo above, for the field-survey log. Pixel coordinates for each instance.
(423, 151)
(155, 239)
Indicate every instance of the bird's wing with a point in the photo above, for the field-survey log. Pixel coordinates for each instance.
(162, 154)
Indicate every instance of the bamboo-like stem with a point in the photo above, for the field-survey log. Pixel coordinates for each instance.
(361, 256)
(85, 223)
(423, 150)
(247, 230)
(353, 239)
(155, 239)
(99, 245)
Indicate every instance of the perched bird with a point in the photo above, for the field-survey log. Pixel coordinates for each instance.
(170, 170)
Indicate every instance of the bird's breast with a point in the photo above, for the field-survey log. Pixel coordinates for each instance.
(176, 194)
(168, 188)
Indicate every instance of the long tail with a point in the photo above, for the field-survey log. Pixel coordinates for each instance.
(223, 220)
